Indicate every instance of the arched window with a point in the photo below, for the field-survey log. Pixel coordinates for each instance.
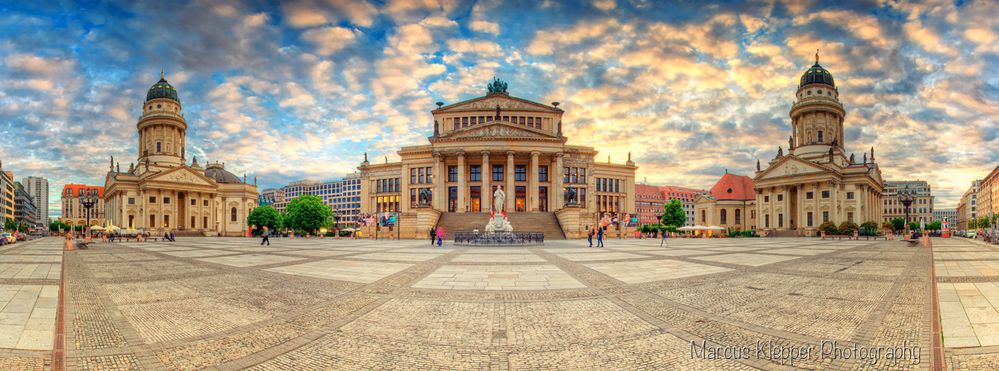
(820, 136)
(704, 218)
(724, 216)
(233, 212)
(159, 146)
(738, 216)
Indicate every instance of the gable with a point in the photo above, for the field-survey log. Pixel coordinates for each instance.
(791, 166)
(489, 103)
(498, 129)
(181, 175)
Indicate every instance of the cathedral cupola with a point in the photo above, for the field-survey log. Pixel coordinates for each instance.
(817, 114)
(816, 75)
(162, 89)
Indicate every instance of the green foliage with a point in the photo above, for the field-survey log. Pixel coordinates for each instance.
(9, 225)
(56, 226)
(898, 224)
(869, 228)
(888, 225)
(308, 213)
(829, 228)
(972, 223)
(264, 216)
(935, 225)
(847, 227)
(913, 225)
(23, 227)
(673, 214)
(983, 222)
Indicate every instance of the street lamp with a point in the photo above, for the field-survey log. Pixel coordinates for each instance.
(87, 200)
(906, 196)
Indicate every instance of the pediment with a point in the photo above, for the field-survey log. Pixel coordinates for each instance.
(791, 166)
(182, 175)
(489, 103)
(498, 130)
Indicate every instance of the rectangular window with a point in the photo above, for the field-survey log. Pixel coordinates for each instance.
(766, 220)
(582, 175)
(780, 198)
(476, 173)
(574, 174)
(131, 200)
(809, 218)
(421, 175)
(809, 195)
(452, 173)
(506, 118)
(464, 122)
(825, 216)
(152, 199)
(430, 175)
(849, 195)
(166, 200)
(766, 198)
(542, 173)
(617, 185)
(520, 173)
(498, 173)
(412, 176)
(457, 125)
(825, 194)
(530, 122)
(194, 202)
(523, 120)
(412, 197)
(780, 220)
(565, 175)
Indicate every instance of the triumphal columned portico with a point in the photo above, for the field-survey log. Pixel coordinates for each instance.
(497, 140)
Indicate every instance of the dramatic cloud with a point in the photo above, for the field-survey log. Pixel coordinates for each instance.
(690, 89)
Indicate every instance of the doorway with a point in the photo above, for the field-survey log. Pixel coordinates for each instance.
(520, 202)
(475, 195)
(181, 207)
(543, 199)
(793, 208)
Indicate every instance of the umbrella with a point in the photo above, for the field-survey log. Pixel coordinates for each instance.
(96, 228)
(715, 228)
(688, 228)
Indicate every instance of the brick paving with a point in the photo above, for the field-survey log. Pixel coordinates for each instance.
(968, 289)
(227, 303)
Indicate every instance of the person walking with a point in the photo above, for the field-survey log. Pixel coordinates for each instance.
(589, 235)
(600, 237)
(663, 241)
(433, 235)
(440, 236)
(266, 234)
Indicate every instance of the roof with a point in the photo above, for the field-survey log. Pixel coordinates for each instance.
(648, 191)
(76, 188)
(162, 89)
(816, 75)
(220, 174)
(734, 187)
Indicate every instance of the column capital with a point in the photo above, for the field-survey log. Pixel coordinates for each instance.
(460, 154)
(535, 153)
(484, 153)
(437, 155)
(510, 153)
(559, 154)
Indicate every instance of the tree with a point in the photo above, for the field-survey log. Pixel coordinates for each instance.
(898, 223)
(57, 225)
(23, 227)
(847, 227)
(9, 225)
(869, 228)
(265, 216)
(983, 222)
(935, 225)
(308, 213)
(972, 223)
(888, 225)
(829, 228)
(673, 214)
(913, 225)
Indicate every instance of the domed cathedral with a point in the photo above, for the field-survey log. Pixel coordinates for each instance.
(815, 180)
(498, 141)
(161, 191)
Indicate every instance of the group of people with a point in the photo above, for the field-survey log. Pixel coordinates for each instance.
(437, 236)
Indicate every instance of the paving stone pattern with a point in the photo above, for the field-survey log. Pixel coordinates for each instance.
(228, 303)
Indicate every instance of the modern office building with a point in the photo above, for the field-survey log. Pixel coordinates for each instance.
(342, 195)
(25, 210)
(38, 188)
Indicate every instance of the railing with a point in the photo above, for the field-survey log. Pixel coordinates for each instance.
(499, 238)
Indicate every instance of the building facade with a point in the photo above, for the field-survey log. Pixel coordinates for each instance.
(921, 209)
(24, 207)
(7, 190)
(988, 194)
(948, 215)
(815, 181)
(649, 203)
(687, 196)
(342, 195)
(161, 191)
(731, 203)
(492, 142)
(967, 208)
(74, 211)
(38, 188)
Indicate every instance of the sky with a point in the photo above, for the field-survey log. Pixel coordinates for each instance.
(301, 89)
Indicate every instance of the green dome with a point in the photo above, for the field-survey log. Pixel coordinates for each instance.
(816, 75)
(162, 89)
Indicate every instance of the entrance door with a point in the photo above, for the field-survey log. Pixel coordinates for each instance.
(452, 199)
(475, 195)
(181, 207)
(543, 199)
(520, 202)
(794, 208)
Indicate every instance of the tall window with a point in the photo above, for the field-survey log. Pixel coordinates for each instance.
(159, 147)
(809, 216)
(542, 173)
(738, 216)
(724, 216)
(820, 136)
(232, 217)
(452, 173)
(498, 173)
(412, 175)
(825, 216)
(704, 216)
(520, 173)
(476, 173)
(780, 220)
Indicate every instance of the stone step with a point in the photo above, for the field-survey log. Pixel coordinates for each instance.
(545, 223)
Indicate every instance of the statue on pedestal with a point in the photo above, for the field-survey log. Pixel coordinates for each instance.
(500, 224)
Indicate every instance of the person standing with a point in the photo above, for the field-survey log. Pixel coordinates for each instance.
(663, 241)
(600, 237)
(433, 235)
(589, 235)
(266, 234)
(440, 236)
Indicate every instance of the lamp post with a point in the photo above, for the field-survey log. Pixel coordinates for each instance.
(87, 200)
(906, 196)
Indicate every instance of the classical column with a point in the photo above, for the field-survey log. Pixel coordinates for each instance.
(404, 188)
(532, 182)
(816, 214)
(438, 182)
(511, 193)
(834, 210)
(787, 207)
(557, 185)
(486, 192)
(858, 217)
(462, 184)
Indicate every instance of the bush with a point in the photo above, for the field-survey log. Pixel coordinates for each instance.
(869, 229)
(847, 228)
(829, 228)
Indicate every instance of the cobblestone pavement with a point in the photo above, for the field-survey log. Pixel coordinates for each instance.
(968, 287)
(229, 303)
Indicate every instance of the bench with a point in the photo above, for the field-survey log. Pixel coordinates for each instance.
(911, 242)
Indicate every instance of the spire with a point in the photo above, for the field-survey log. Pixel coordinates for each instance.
(817, 56)
(163, 73)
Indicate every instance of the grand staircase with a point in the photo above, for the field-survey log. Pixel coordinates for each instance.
(521, 222)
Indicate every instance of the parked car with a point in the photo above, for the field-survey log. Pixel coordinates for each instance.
(9, 237)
